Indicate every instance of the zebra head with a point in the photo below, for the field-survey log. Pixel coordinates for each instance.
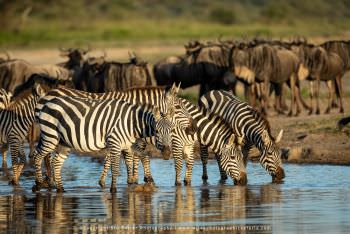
(5, 98)
(232, 160)
(271, 156)
(163, 128)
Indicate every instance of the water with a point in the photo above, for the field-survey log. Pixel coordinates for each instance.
(312, 199)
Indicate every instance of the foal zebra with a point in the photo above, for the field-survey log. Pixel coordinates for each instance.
(16, 119)
(91, 125)
(5, 100)
(246, 121)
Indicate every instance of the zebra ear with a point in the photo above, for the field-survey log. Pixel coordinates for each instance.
(38, 90)
(240, 140)
(175, 89)
(279, 136)
(231, 140)
(265, 137)
(156, 113)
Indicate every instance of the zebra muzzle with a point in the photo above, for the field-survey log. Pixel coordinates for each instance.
(242, 179)
(279, 175)
(166, 153)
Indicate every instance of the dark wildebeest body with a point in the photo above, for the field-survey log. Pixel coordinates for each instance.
(207, 65)
(324, 66)
(100, 76)
(16, 72)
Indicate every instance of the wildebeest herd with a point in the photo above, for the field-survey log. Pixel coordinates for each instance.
(91, 104)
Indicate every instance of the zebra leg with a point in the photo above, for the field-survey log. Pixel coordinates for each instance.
(57, 162)
(147, 169)
(189, 152)
(223, 175)
(14, 148)
(128, 158)
(115, 152)
(177, 153)
(106, 166)
(135, 168)
(204, 158)
(44, 148)
(22, 161)
(4, 149)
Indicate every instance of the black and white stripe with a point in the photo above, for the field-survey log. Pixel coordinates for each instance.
(247, 122)
(89, 125)
(16, 119)
(214, 133)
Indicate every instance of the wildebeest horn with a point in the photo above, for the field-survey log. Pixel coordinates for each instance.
(279, 136)
(7, 54)
(63, 49)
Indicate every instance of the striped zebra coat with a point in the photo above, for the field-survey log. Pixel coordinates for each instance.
(89, 125)
(246, 121)
(214, 133)
(155, 96)
(16, 119)
(5, 100)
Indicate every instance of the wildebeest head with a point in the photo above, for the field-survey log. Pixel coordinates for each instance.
(8, 58)
(193, 47)
(75, 56)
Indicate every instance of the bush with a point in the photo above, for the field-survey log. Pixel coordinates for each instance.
(222, 16)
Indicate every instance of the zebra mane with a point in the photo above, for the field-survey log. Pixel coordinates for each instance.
(262, 119)
(24, 89)
(20, 100)
(147, 88)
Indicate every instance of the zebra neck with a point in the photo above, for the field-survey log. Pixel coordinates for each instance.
(212, 130)
(25, 107)
(142, 123)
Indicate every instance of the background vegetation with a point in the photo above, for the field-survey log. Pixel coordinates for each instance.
(46, 23)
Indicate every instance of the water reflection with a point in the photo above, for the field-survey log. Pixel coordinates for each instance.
(172, 206)
(304, 203)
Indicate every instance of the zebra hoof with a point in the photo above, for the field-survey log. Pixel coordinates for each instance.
(102, 184)
(113, 189)
(223, 177)
(341, 110)
(148, 180)
(177, 183)
(13, 182)
(187, 183)
(205, 177)
(36, 187)
(60, 190)
(317, 112)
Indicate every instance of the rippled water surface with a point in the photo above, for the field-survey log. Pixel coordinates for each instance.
(312, 199)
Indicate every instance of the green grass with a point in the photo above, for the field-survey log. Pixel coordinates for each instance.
(38, 33)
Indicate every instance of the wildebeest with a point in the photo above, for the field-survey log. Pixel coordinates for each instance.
(324, 66)
(99, 75)
(207, 65)
(16, 72)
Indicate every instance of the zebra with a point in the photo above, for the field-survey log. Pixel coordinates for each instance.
(156, 96)
(214, 133)
(5, 100)
(17, 118)
(222, 141)
(249, 123)
(90, 125)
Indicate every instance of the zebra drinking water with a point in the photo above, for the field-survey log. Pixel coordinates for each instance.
(246, 121)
